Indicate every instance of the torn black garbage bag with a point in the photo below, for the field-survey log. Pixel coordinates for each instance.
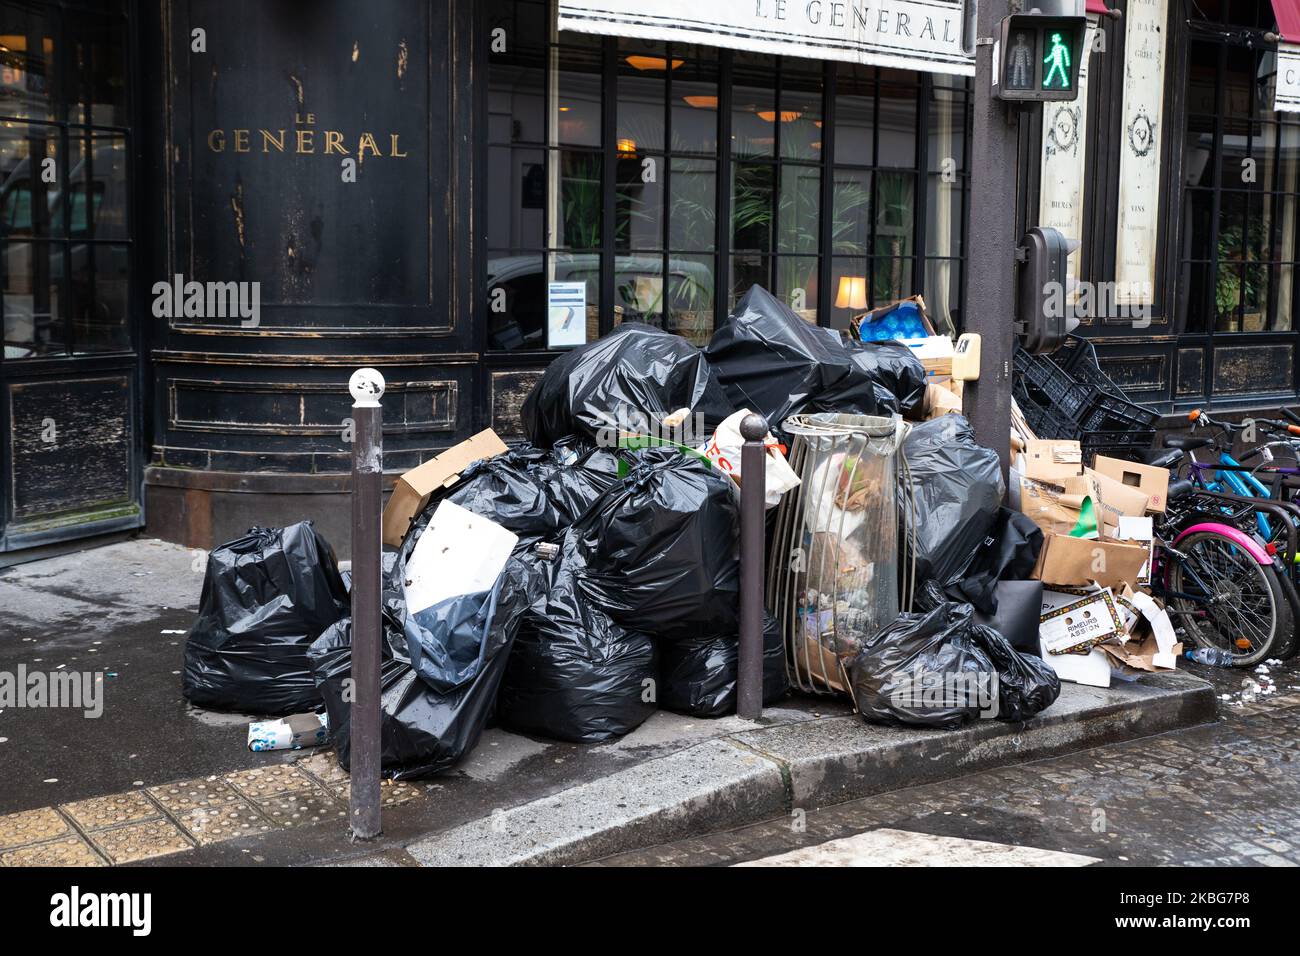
(574, 674)
(773, 362)
(434, 705)
(630, 380)
(266, 596)
(956, 492)
(697, 675)
(925, 670)
(1008, 552)
(658, 549)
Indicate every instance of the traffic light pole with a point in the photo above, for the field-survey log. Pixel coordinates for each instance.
(991, 241)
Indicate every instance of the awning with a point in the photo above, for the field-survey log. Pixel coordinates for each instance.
(1288, 19)
(1098, 7)
(925, 35)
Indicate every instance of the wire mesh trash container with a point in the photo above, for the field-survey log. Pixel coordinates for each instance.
(833, 572)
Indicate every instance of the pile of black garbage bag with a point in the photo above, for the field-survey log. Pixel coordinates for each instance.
(267, 596)
(938, 668)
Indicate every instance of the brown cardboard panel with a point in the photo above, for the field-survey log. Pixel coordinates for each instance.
(1151, 481)
(411, 491)
(1075, 562)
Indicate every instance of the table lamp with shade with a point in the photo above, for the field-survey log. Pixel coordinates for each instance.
(852, 293)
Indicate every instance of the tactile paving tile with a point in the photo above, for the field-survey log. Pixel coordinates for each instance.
(298, 809)
(186, 795)
(141, 841)
(393, 792)
(265, 781)
(31, 826)
(70, 852)
(112, 810)
(228, 821)
(325, 767)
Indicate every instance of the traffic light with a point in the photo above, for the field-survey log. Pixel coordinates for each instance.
(1044, 290)
(1038, 57)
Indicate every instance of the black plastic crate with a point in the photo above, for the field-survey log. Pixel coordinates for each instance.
(1076, 388)
(1131, 443)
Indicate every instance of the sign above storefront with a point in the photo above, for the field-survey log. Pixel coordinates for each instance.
(1286, 92)
(928, 35)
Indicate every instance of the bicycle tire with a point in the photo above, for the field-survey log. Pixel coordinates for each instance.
(1251, 581)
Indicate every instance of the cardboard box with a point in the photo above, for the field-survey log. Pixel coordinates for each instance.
(1113, 499)
(1052, 460)
(1151, 481)
(1076, 562)
(1049, 505)
(412, 490)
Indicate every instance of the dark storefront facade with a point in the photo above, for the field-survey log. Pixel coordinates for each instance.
(415, 186)
(491, 156)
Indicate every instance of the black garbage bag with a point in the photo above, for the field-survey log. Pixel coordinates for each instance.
(1026, 684)
(508, 489)
(899, 375)
(439, 679)
(658, 549)
(627, 380)
(926, 670)
(773, 362)
(574, 674)
(957, 492)
(1007, 553)
(266, 596)
(576, 474)
(697, 675)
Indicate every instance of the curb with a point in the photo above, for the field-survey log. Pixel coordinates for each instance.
(755, 775)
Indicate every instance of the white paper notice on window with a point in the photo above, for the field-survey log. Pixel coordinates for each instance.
(1286, 94)
(458, 553)
(566, 314)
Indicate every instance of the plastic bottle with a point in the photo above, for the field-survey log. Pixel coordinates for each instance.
(1214, 656)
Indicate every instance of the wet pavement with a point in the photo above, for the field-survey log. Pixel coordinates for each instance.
(1224, 794)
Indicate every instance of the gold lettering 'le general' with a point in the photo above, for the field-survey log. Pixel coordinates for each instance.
(304, 140)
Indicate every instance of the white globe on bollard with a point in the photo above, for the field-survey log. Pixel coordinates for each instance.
(367, 387)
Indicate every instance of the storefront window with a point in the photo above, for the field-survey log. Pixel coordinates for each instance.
(64, 230)
(604, 167)
(1242, 185)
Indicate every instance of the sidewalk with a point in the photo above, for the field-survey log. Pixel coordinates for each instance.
(181, 787)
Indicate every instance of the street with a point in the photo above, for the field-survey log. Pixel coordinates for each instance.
(1224, 794)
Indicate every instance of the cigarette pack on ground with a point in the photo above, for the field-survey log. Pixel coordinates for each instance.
(288, 733)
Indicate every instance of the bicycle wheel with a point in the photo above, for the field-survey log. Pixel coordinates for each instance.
(1228, 600)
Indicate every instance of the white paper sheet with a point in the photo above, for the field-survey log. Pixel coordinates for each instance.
(458, 553)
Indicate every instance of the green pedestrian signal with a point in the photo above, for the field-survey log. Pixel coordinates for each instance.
(1057, 62)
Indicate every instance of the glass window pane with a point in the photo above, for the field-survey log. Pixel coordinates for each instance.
(578, 208)
(33, 314)
(27, 60)
(891, 280)
(850, 290)
(801, 114)
(746, 271)
(895, 200)
(1198, 222)
(517, 318)
(896, 127)
(690, 297)
(1254, 298)
(1202, 74)
(1232, 226)
(855, 114)
(28, 200)
(695, 100)
(643, 67)
(1227, 297)
(947, 131)
(516, 198)
(639, 289)
(1284, 278)
(96, 201)
(753, 110)
(638, 213)
(752, 194)
(692, 220)
(851, 225)
(517, 102)
(1201, 294)
(943, 290)
(98, 67)
(796, 284)
(1198, 151)
(799, 217)
(97, 293)
(578, 85)
(943, 220)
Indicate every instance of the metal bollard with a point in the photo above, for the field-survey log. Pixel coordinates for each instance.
(367, 387)
(753, 474)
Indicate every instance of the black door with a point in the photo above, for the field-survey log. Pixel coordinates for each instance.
(69, 374)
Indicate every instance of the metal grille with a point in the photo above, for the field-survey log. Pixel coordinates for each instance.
(833, 573)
